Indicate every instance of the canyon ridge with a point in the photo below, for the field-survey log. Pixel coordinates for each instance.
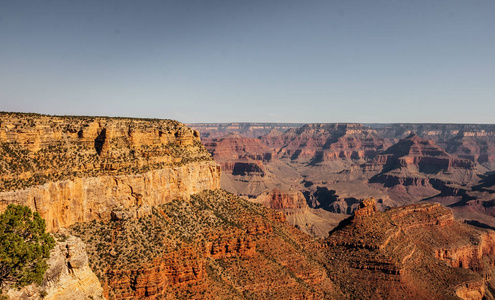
(328, 169)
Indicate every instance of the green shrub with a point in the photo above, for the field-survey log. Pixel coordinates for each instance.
(24, 246)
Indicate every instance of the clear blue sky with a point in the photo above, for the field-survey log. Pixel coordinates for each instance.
(271, 61)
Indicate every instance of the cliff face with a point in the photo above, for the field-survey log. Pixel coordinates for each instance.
(63, 203)
(414, 169)
(318, 143)
(471, 141)
(283, 200)
(425, 155)
(76, 169)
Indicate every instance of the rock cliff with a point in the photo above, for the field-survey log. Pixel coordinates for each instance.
(63, 203)
(471, 141)
(76, 169)
(414, 169)
(217, 245)
(319, 143)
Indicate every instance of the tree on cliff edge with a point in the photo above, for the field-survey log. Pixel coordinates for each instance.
(24, 246)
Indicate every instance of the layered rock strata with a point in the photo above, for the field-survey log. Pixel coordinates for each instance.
(317, 143)
(471, 141)
(411, 252)
(213, 246)
(63, 203)
(76, 169)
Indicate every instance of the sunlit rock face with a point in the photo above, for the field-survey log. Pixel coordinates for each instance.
(76, 169)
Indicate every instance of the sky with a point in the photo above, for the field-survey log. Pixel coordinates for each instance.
(378, 61)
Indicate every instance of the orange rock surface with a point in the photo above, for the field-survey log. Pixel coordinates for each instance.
(76, 169)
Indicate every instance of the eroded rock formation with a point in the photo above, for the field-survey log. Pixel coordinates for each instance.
(76, 169)
(416, 251)
(114, 182)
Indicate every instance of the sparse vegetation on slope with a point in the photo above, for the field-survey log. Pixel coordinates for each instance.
(37, 149)
(216, 243)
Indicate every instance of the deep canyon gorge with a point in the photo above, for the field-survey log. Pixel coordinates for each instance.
(155, 209)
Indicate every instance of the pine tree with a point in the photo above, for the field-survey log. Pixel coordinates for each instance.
(24, 246)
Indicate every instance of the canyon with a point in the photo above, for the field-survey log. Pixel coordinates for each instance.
(154, 209)
(335, 166)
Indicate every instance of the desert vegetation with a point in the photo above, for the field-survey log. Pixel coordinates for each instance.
(214, 243)
(24, 246)
(37, 149)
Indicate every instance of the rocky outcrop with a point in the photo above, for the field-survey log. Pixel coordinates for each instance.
(415, 169)
(475, 147)
(238, 155)
(150, 280)
(37, 149)
(176, 269)
(472, 291)
(68, 277)
(470, 141)
(281, 200)
(235, 146)
(244, 167)
(78, 169)
(410, 252)
(423, 154)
